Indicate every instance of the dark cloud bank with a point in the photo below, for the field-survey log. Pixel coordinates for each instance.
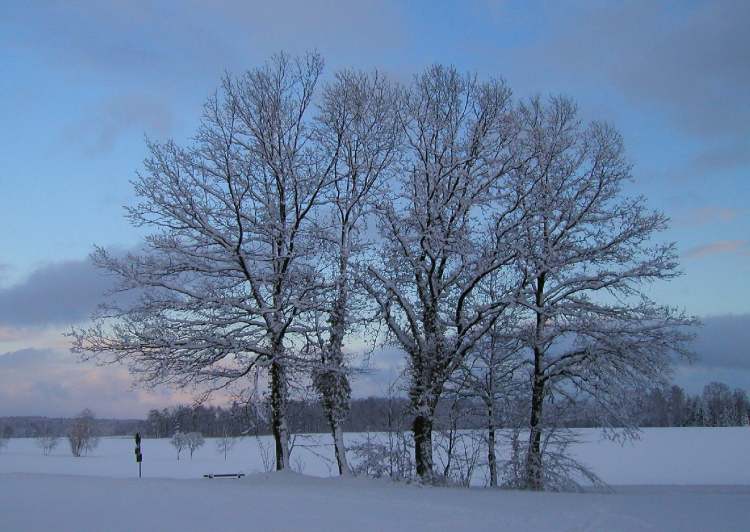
(57, 294)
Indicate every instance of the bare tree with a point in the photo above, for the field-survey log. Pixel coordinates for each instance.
(46, 439)
(82, 434)
(264, 449)
(590, 330)
(489, 374)
(225, 443)
(48, 443)
(194, 441)
(231, 264)
(445, 229)
(387, 455)
(458, 450)
(179, 441)
(358, 128)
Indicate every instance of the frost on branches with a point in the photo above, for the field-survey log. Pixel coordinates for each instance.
(589, 329)
(231, 263)
(489, 376)
(358, 125)
(509, 265)
(446, 226)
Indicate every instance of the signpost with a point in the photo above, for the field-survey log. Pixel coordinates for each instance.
(138, 455)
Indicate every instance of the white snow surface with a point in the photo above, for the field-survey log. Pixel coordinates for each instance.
(676, 479)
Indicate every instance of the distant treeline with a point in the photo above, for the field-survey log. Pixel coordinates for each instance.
(371, 414)
(33, 426)
(716, 406)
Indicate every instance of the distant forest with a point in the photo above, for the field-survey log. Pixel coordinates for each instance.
(717, 406)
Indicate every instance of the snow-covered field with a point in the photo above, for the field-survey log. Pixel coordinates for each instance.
(672, 479)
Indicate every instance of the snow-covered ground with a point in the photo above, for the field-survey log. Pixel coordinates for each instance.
(672, 479)
(290, 502)
(662, 456)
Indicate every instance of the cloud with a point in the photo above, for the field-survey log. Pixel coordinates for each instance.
(685, 63)
(722, 347)
(379, 371)
(104, 124)
(724, 341)
(10, 334)
(179, 41)
(4, 269)
(34, 337)
(695, 378)
(689, 61)
(51, 382)
(702, 216)
(728, 155)
(61, 293)
(143, 62)
(720, 246)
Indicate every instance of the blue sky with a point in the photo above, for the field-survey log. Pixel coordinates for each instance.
(83, 82)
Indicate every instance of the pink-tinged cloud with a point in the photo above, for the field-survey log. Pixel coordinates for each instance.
(14, 338)
(706, 216)
(741, 247)
(10, 334)
(51, 382)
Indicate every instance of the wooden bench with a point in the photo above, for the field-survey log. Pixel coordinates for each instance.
(224, 475)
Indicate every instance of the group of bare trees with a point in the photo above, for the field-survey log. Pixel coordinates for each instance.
(47, 439)
(192, 441)
(489, 239)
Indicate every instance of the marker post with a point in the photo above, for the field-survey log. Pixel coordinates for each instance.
(138, 455)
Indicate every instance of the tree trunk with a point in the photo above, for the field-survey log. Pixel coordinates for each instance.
(340, 448)
(332, 382)
(534, 476)
(278, 415)
(422, 429)
(449, 457)
(534, 471)
(491, 456)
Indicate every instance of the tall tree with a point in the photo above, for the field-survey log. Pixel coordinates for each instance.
(230, 267)
(358, 127)
(444, 229)
(591, 330)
